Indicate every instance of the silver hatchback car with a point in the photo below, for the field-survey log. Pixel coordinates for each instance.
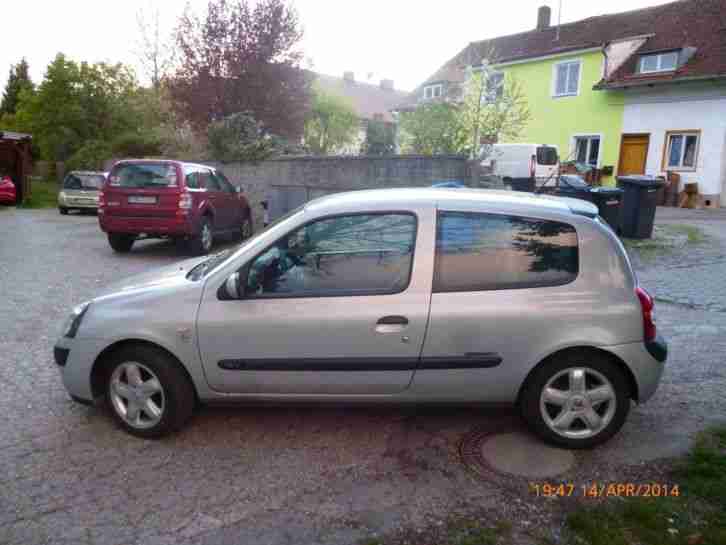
(398, 295)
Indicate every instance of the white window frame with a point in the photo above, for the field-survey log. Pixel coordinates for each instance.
(659, 57)
(589, 136)
(433, 89)
(555, 71)
(667, 150)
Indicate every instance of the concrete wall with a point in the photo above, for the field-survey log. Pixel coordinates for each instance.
(684, 107)
(289, 182)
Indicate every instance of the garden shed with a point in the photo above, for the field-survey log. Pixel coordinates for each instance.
(16, 160)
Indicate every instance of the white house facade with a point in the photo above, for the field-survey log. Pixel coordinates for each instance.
(685, 127)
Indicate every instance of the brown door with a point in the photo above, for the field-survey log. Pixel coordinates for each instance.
(633, 154)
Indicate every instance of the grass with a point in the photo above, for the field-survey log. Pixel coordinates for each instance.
(666, 239)
(696, 516)
(44, 194)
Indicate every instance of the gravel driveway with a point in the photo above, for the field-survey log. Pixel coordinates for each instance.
(262, 474)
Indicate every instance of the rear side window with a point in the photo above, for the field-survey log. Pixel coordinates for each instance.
(143, 175)
(478, 252)
(546, 156)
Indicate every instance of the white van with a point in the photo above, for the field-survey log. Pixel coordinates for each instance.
(520, 162)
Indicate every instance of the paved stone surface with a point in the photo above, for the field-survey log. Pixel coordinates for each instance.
(260, 474)
(523, 455)
(696, 276)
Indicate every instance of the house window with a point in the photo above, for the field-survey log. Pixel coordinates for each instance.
(659, 62)
(433, 91)
(681, 150)
(567, 78)
(495, 86)
(587, 150)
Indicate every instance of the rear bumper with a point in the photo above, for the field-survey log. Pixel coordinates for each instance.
(646, 361)
(72, 205)
(7, 198)
(172, 226)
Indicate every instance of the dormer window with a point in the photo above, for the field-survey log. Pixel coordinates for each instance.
(433, 91)
(658, 62)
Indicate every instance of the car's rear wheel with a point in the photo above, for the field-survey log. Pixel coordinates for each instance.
(202, 242)
(63, 210)
(121, 243)
(245, 230)
(148, 393)
(579, 400)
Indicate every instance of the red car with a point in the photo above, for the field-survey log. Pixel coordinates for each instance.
(189, 203)
(7, 190)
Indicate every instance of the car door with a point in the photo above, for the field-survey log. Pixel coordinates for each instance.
(232, 200)
(218, 199)
(504, 288)
(336, 306)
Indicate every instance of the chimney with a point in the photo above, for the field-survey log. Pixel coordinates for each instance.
(387, 84)
(349, 77)
(544, 14)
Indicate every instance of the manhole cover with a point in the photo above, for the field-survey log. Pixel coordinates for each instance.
(524, 455)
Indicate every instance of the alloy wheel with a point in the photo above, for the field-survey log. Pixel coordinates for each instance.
(206, 237)
(578, 402)
(137, 395)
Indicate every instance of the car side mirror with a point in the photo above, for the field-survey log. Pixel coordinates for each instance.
(231, 289)
(239, 189)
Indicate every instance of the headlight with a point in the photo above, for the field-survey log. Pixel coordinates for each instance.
(61, 196)
(71, 325)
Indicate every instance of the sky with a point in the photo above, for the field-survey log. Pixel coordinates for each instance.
(402, 40)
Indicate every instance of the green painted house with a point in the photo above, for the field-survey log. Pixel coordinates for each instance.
(629, 93)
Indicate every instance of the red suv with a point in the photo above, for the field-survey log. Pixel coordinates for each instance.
(170, 199)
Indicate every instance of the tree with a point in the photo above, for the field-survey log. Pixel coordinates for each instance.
(331, 124)
(78, 103)
(152, 50)
(494, 107)
(380, 138)
(432, 129)
(239, 137)
(242, 59)
(18, 81)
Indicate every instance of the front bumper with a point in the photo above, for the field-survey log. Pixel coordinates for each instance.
(74, 359)
(169, 226)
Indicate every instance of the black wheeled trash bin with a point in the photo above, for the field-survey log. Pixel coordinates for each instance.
(639, 202)
(609, 201)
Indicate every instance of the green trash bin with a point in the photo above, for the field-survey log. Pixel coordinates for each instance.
(639, 202)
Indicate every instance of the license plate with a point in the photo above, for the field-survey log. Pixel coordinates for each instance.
(141, 199)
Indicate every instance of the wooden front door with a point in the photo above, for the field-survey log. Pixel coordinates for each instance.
(633, 154)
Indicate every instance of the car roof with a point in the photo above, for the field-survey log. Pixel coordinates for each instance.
(87, 172)
(389, 199)
(163, 161)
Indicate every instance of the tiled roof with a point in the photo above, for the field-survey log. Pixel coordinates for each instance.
(684, 23)
(368, 99)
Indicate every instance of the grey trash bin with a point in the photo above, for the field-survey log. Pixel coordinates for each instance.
(639, 202)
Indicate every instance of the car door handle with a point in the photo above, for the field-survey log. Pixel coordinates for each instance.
(391, 324)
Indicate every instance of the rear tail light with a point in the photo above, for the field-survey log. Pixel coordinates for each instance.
(647, 305)
(185, 201)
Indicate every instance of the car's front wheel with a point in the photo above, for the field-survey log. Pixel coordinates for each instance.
(121, 243)
(148, 393)
(579, 400)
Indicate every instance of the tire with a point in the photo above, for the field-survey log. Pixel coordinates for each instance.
(63, 210)
(121, 243)
(246, 230)
(172, 395)
(564, 400)
(201, 243)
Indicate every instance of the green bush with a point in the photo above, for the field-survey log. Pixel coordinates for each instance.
(90, 156)
(133, 144)
(239, 137)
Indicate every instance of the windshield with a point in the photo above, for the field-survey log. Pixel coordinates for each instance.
(90, 182)
(546, 155)
(144, 175)
(205, 267)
